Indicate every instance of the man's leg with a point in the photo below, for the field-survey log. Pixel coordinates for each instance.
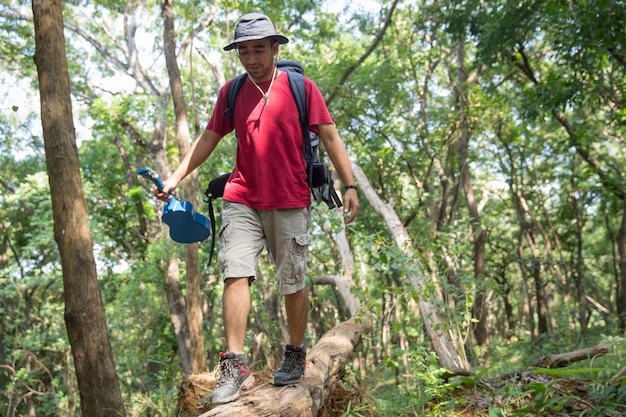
(241, 240)
(297, 307)
(292, 368)
(286, 232)
(234, 371)
(236, 307)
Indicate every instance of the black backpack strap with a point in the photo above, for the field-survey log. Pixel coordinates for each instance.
(233, 91)
(296, 82)
(214, 191)
(212, 220)
(333, 199)
(327, 191)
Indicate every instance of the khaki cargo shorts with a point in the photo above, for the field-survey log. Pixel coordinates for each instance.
(246, 231)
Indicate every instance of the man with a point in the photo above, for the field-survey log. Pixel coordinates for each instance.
(266, 200)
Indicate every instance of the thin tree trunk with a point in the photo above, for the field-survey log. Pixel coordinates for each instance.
(480, 234)
(537, 270)
(178, 313)
(84, 310)
(447, 342)
(68, 383)
(172, 287)
(505, 294)
(621, 248)
(542, 305)
(190, 189)
(578, 273)
(528, 308)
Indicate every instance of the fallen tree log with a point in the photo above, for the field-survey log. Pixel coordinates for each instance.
(556, 361)
(563, 359)
(325, 367)
(617, 377)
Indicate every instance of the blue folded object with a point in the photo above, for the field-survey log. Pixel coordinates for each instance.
(186, 225)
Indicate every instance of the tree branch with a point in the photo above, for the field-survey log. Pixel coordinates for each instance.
(353, 67)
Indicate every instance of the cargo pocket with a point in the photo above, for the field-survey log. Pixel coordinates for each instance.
(301, 244)
(294, 268)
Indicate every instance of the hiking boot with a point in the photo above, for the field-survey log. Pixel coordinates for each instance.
(234, 377)
(292, 368)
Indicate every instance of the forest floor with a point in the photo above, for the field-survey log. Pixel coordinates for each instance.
(568, 397)
(564, 397)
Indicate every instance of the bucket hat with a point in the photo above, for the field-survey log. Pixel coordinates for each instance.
(253, 26)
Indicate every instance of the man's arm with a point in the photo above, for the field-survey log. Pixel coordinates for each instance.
(339, 157)
(199, 151)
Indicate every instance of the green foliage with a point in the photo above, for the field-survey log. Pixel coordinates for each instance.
(538, 181)
(578, 390)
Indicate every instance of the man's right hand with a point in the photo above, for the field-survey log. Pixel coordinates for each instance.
(168, 190)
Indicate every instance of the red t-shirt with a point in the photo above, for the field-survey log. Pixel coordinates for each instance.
(270, 172)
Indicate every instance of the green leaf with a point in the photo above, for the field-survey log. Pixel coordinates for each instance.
(494, 412)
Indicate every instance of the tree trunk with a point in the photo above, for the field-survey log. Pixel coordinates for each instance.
(190, 189)
(178, 313)
(542, 304)
(578, 273)
(530, 266)
(173, 289)
(480, 234)
(84, 310)
(447, 342)
(528, 308)
(621, 297)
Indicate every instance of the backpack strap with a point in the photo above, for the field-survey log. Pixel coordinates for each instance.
(327, 191)
(212, 219)
(233, 91)
(290, 66)
(214, 191)
(296, 82)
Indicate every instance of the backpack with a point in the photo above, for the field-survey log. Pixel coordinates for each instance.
(318, 174)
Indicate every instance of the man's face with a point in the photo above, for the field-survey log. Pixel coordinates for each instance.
(257, 57)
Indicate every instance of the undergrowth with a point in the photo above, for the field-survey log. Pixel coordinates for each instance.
(508, 387)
